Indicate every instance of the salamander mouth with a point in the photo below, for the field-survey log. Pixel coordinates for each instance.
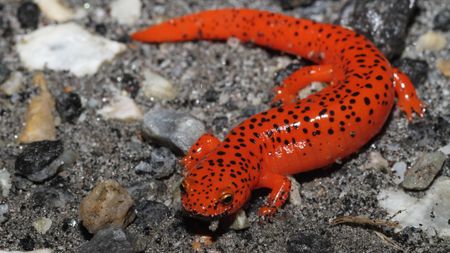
(201, 217)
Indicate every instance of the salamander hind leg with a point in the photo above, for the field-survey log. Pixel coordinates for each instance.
(406, 95)
(287, 92)
(204, 145)
(280, 187)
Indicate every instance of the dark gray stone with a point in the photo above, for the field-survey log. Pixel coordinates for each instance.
(384, 22)
(291, 4)
(28, 15)
(442, 20)
(151, 213)
(109, 240)
(51, 198)
(69, 107)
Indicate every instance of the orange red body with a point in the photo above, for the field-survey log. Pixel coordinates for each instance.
(297, 135)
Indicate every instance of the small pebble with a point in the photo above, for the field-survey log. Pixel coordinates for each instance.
(42, 225)
(161, 164)
(4, 210)
(422, 173)
(107, 204)
(13, 84)
(432, 41)
(55, 10)
(399, 169)
(69, 107)
(126, 12)
(51, 198)
(416, 70)
(171, 128)
(121, 108)
(5, 182)
(211, 95)
(443, 66)
(28, 15)
(377, 161)
(151, 213)
(311, 89)
(101, 29)
(241, 221)
(35, 158)
(148, 190)
(442, 20)
(156, 86)
(109, 240)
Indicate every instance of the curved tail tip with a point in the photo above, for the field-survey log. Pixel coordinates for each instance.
(139, 35)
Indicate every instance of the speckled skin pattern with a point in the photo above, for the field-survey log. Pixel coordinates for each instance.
(295, 135)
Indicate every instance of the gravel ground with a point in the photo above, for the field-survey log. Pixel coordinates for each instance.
(221, 84)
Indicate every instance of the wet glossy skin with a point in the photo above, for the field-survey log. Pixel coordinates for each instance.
(298, 135)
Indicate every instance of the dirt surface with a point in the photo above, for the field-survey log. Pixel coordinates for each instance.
(242, 77)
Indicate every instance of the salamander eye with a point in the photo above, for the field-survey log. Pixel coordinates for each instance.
(182, 188)
(226, 198)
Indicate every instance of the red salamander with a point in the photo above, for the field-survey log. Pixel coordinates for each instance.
(296, 135)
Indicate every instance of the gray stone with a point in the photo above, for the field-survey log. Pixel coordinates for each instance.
(109, 240)
(420, 176)
(151, 213)
(173, 129)
(161, 164)
(51, 198)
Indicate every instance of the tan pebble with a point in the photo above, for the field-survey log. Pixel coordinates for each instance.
(432, 41)
(107, 204)
(39, 121)
(443, 66)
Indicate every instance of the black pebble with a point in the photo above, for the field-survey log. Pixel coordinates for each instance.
(28, 15)
(211, 95)
(37, 155)
(69, 107)
(27, 243)
(101, 29)
(442, 20)
(416, 70)
(130, 84)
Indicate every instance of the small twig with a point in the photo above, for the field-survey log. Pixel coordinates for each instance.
(362, 220)
(388, 241)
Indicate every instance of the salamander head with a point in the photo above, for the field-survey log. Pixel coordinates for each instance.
(214, 188)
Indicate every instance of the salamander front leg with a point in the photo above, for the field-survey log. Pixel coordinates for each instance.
(287, 92)
(280, 186)
(204, 145)
(406, 95)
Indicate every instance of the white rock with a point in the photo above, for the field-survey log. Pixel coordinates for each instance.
(126, 11)
(121, 108)
(33, 251)
(5, 182)
(399, 169)
(66, 47)
(430, 213)
(156, 86)
(433, 41)
(241, 221)
(311, 89)
(55, 10)
(13, 84)
(42, 225)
